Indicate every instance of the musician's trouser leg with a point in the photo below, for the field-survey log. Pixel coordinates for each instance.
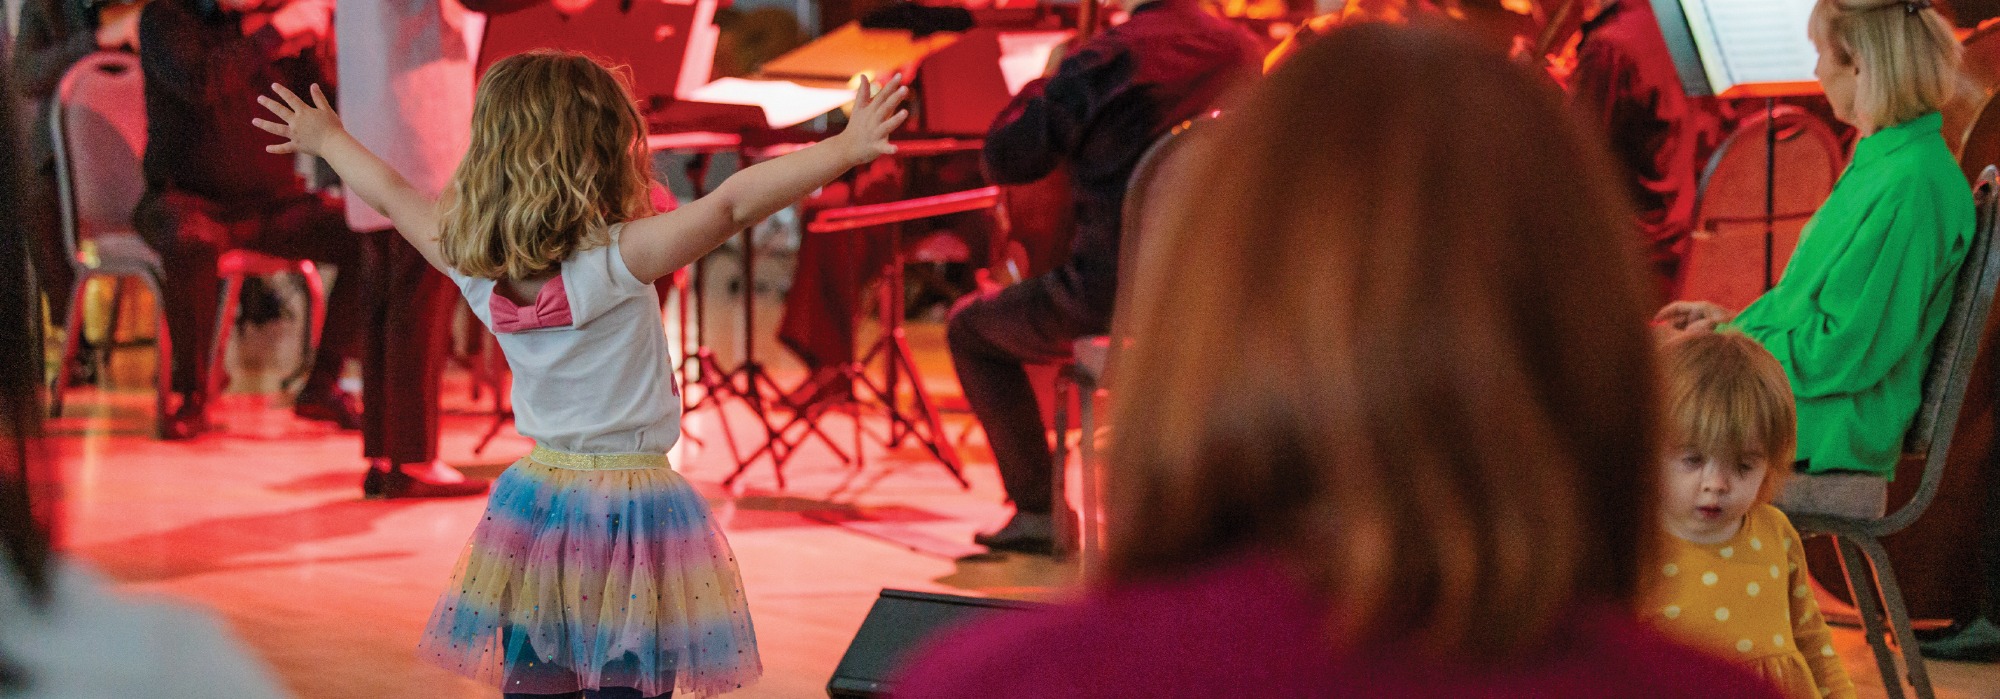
(992, 335)
(832, 268)
(42, 219)
(189, 241)
(190, 236)
(402, 362)
(825, 298)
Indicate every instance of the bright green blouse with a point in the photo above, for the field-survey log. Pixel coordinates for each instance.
(1862, 299)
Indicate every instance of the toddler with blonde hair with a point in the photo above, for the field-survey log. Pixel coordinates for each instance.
(1733, 575)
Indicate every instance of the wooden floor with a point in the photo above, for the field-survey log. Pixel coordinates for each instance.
(263, 522)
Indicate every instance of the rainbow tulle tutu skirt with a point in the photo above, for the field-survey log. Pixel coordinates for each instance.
(592, 571)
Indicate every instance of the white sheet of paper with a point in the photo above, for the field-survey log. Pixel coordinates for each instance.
(1024, 56)
(1752, 41)
(785, 104)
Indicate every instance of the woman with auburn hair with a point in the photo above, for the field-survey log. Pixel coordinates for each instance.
(1387, 426)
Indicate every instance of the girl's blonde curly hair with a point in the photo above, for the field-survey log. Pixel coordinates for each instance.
(558, 153)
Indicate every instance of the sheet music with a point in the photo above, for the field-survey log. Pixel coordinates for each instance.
(1024, 56)
(785, 104)
(1752, 41)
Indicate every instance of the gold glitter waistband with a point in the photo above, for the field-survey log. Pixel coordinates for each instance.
(596, 462)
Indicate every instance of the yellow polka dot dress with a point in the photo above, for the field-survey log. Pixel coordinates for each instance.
(1748, 599)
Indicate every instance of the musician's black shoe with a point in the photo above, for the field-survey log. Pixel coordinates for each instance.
(1027, 532)
(432, 480)
(1977, 642)
(336, 406)
(371, 483)
(189, 421)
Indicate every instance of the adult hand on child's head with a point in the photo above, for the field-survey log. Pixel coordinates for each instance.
(307, 127)
(1685, 314)
(875, 116)
(1681, 319)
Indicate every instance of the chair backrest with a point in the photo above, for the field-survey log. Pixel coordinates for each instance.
(1730, 201)
(1954, 352)
(1981, 70)
(1158, 171)
(1809, 160)
(99, 125)
(1981, 57)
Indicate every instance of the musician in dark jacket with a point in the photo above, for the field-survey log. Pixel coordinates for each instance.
(1625, 81)
(1105, 104)
(211, 187)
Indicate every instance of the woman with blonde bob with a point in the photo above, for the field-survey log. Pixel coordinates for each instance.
(597, 571)
(1387, 424)
(1853, 318)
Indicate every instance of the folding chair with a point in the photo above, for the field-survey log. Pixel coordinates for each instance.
(99, 123)
(1849, 508)
(1084, 375)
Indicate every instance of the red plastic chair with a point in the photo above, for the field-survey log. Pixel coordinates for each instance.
(235, 266)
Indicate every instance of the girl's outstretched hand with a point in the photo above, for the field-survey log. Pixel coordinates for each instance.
(875, 116)
(307, 127)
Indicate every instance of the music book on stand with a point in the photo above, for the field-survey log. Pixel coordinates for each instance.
(1740, 48)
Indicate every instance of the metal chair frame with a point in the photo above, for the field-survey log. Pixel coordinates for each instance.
(143, 264)
(1084, 376)
(1763, 130)
(1858, 541)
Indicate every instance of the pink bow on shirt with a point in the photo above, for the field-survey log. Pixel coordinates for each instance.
(551, 310)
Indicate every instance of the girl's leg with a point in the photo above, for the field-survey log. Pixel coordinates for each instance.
(619, 693)
(626, 666)
(521, 672)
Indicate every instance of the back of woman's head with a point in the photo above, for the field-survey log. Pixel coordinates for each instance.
(1396, 336)
(1907, 53)
(558, 152)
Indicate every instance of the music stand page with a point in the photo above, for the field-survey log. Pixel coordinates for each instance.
(649, 36)
(1740, 48)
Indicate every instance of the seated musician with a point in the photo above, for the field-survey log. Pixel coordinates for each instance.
(211, 187)
(1860, 304)
(1097, 114)
(1625, 82)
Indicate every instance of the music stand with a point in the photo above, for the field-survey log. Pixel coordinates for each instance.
(700, 367)
(893, 347)
(1731, 49)
(920, 421)
(668, 45)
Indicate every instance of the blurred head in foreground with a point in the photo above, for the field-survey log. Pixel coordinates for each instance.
(1397, 338)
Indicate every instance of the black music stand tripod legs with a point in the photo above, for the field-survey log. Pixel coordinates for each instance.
(920, 421)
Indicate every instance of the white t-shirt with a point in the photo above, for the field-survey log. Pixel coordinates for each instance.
(91, 643)
(591, 370)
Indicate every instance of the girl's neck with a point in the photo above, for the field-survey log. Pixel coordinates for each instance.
(1706, 538)
(524, 291)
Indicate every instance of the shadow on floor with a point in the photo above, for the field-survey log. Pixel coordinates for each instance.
(247, 542)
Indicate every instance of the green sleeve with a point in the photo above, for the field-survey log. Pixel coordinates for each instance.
(1870, 312)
